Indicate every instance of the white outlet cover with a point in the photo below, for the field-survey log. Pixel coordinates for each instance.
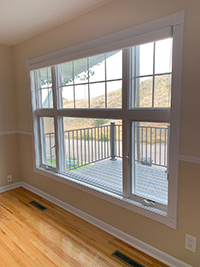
(190, 243)
(9, 178)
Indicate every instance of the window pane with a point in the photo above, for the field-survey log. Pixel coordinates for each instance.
(97, 68)
(46, 96)
(48, 141)
(114, 94)
(66, 73)
(68, 97)
(163, 58)
(45, 77)
(45, 91)
(93, 151)
(143, 92)
(162, 91)
(149, 60)
(81, 96)
(114, 65)
(97, 95)
(150, 160)
(143, 55)
(80, 71)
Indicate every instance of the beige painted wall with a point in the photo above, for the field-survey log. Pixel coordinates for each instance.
(9, 154)
(113, 17)
(9, 159)
(8, 99)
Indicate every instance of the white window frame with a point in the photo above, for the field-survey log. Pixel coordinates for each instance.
(144, 33)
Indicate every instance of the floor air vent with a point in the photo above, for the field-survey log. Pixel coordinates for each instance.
(125, 259)
(37, 205)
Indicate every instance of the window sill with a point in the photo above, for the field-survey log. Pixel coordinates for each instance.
(129, 204)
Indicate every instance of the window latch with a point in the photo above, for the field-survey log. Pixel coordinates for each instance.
(148, 202)
(127, 157)
(168, 176)
(48, 167)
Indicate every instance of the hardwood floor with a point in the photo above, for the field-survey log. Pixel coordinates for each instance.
(54, 237)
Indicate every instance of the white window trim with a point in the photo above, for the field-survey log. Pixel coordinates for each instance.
(130, 37)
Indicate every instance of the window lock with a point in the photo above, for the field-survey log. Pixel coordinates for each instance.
(148, 202)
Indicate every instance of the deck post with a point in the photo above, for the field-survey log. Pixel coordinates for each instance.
(112, 140)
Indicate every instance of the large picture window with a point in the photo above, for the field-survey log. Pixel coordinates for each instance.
(107, 121)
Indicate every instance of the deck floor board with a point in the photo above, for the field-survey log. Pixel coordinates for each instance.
(151, 181)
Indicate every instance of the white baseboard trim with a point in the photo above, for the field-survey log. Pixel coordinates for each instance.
(155, 253)
(10, 186)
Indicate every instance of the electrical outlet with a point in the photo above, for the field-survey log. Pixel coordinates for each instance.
(9, 178)
(190, 243)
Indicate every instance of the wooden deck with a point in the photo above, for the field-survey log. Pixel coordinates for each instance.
(151, 181)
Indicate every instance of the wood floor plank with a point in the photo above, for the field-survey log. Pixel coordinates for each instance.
(50, 230)
(79, 233)
(18, 241)
(55, 237)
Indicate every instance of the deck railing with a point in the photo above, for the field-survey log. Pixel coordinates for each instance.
(89, 145)
(49, 154)
(152, 145)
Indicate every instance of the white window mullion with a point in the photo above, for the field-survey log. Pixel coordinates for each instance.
(48, 88)
(105, 82)
(60, 148)
(42, 142)
(56, 82)
(38, 96)
(88, 82)
(41, 155)
(74, 93)
(133, 132)
(59, 121)
(148, 114)
(36, 130)
(132, 81)
(175, 123)
(153, 85)
(136, 73)
(58, 88)
(126, 123)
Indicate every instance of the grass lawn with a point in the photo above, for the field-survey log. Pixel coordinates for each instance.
(53, 164)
